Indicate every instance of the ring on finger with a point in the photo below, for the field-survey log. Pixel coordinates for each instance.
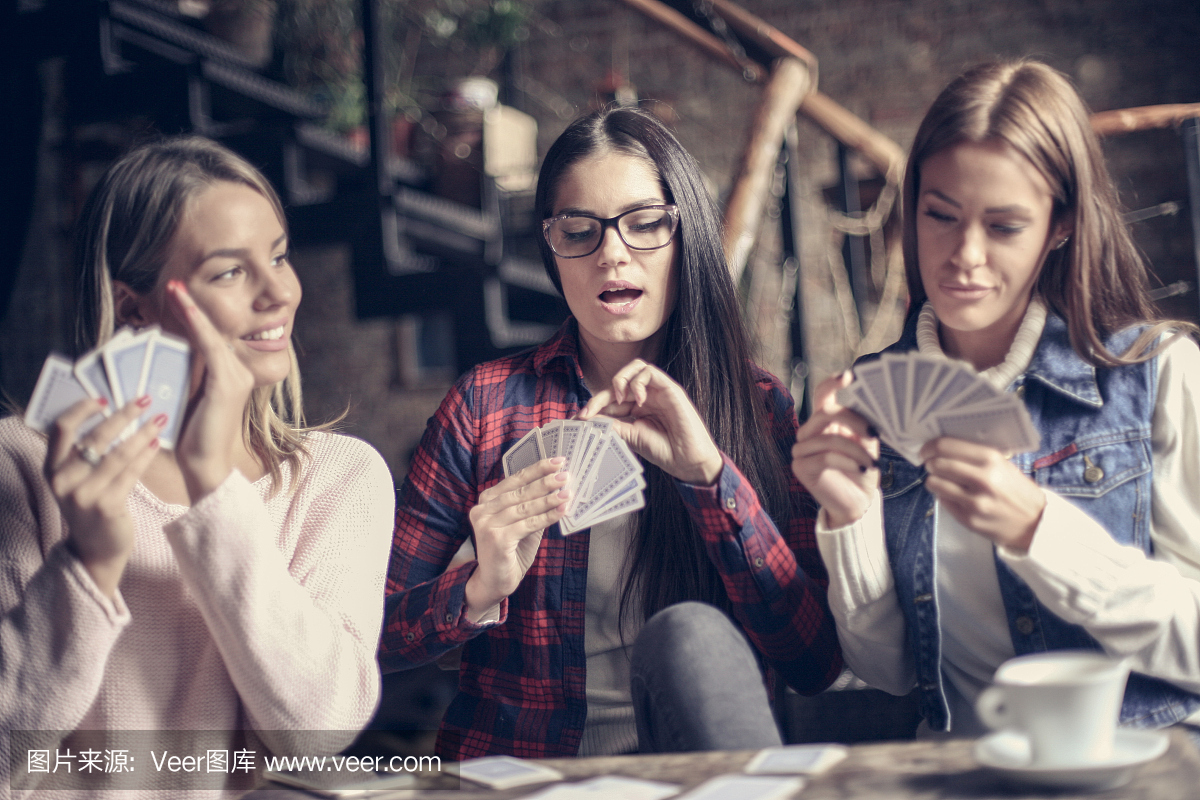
(88, 454)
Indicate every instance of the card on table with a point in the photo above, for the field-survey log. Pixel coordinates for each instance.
(745, 787)
(796, 759)
(607, 787)
(506, 772)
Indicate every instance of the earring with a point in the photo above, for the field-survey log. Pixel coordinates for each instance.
(1062, 243)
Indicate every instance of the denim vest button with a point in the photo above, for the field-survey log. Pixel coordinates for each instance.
(1020, 392)
(929, 513)
(1092, 473)
(1024, 626)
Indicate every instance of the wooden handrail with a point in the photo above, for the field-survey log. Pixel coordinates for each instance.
(710, 44)
(843, 125)
(1141, 118)
(765, 35)
(790, 82)
(839, 122)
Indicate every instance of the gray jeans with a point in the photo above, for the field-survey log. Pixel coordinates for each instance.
(696, 684)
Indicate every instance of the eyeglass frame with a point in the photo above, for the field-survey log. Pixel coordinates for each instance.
(671, 208)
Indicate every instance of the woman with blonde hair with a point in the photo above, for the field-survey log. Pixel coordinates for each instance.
(1019, 263)
(232, 586)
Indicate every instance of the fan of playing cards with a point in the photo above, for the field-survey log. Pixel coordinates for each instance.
(911, 398)
(606, 477)
(127, 366)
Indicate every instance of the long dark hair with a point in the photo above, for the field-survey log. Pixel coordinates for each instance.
(1098, 281)
(705, 349)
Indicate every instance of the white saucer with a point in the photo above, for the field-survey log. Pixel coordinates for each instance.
(1131, 748)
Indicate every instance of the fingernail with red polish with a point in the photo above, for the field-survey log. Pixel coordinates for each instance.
(160, 420)
(102, 401)
(143, 401)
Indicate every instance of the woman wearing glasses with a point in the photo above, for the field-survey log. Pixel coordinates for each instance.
(655, 340)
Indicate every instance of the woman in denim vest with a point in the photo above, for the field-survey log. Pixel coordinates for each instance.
(1019, 263)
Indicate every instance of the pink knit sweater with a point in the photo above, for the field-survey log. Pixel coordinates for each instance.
(254, 616)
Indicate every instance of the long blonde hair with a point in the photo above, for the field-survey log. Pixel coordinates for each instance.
(1098, 281)
(126, 227)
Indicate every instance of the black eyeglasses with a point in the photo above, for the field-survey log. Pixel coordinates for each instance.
(577, 235)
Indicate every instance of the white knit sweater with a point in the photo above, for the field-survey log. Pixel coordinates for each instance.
(254, 616)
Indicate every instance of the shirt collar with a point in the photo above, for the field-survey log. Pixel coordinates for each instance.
(564, 344)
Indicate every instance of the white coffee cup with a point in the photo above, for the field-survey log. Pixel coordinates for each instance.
(1064, 703)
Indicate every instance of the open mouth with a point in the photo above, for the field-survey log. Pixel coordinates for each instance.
(619, 296)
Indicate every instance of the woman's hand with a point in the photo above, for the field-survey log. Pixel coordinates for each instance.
(212, 433)
(654, 416)
(92, 483)
(984, 491)
(509, 520)
(834, 456)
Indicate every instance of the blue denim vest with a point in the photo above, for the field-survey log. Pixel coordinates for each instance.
(1095, 452)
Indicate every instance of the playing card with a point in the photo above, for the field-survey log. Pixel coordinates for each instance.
(550, 437)
(570, 434)
(911, 398)
(57, 390)
(588, 436)
(90, 372)
(796, 759)
(527, 452)
(955, 382)
(608, 467)
(628, 502)
(1004, 426)
(745, 787)
(625, 499)
(607, 787)
(505, 772)
(876, 388)
(125, 363)
(895, 371)
(167, 373)
(856, 398)
(927, 372)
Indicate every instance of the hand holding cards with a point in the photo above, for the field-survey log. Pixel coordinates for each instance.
(128, 366)
(606, 477)
(911, 398)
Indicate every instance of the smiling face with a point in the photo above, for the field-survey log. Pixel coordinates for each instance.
(620, 297)
(230, 251)
(984, 226)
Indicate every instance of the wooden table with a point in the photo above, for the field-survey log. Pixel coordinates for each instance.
(926, 770)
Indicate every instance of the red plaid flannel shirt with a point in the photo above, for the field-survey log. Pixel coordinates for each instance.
(521, 680)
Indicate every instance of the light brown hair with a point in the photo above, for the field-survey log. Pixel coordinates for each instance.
(1098, 281)
(124, 233)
